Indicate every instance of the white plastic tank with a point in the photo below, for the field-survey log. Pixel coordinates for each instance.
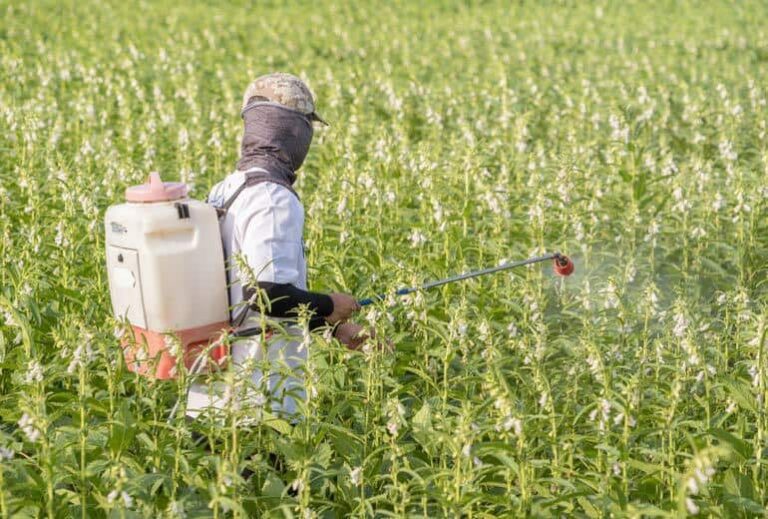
(166, 275)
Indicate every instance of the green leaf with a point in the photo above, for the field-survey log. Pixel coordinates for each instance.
(648, 468)
(277, 424)
(739, 446)
(322, 455)
(422, 427)
(741, 394)
(273, 486)
(745, 504)
(588, 507)
(123, 429)
(738, 484)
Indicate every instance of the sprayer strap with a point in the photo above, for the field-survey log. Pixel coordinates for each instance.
(251, 179)
(221, 211)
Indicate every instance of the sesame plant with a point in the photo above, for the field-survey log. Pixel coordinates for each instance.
(631, 136)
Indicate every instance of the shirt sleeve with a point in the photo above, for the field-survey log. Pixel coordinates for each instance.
(284, 300)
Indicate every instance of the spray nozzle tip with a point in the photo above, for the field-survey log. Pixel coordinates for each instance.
(563, 265)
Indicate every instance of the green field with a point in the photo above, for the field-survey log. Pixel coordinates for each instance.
(630, 135)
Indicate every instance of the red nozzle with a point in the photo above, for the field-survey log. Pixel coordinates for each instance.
(563, 265)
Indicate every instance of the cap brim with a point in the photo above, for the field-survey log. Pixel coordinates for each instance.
(317, 118)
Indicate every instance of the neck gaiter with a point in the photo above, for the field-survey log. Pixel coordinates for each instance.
(275, 138)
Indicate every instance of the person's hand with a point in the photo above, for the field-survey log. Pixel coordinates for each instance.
(354, 336)
(344, 305)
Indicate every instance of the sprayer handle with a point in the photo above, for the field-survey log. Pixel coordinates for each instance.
(400, 292)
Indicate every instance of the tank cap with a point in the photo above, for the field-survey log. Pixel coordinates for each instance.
(155, 190)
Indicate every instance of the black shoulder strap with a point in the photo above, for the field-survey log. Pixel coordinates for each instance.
(221, 211)
(252, 178)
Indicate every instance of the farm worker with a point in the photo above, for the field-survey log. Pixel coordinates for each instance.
(263, 227)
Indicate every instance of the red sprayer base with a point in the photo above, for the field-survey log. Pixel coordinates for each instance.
(147, 353)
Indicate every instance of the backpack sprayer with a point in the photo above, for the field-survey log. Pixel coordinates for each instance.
(167, 278)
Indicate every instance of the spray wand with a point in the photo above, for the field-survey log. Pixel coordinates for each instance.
(563, 266)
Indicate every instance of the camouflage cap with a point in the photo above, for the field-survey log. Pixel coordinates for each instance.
(284, 89)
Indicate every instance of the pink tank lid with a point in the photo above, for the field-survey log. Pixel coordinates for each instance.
(156, 190)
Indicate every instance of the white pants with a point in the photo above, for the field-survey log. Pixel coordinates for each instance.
(278, 392)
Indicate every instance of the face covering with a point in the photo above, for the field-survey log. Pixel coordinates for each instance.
(276, 139)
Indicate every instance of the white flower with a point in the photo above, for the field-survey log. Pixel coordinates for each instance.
(631, 273)
(687, 346)
(611, 296)
(34, 372)
(681, 325)
(356, 476)
(417, 238)
(176, 510)
(512, 330)
(719, 202)
(691, 506)
(755, 374)
(462, 329)
(727, 151)
(297, 485)
(81, 356)
(484, 331)
(306, 341)
(698, 232)
(342, 206)
(702, 473)
(514, 424)
(594, 364)
(60, 238)
(372, 316)
(259, 400)
(393, 427)
(8, 317)
(183, 138)
(173, 345)
(604, 413)
(653, 231)
(6, 453)
(535, 213)
(466, 450)
(114, 494)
